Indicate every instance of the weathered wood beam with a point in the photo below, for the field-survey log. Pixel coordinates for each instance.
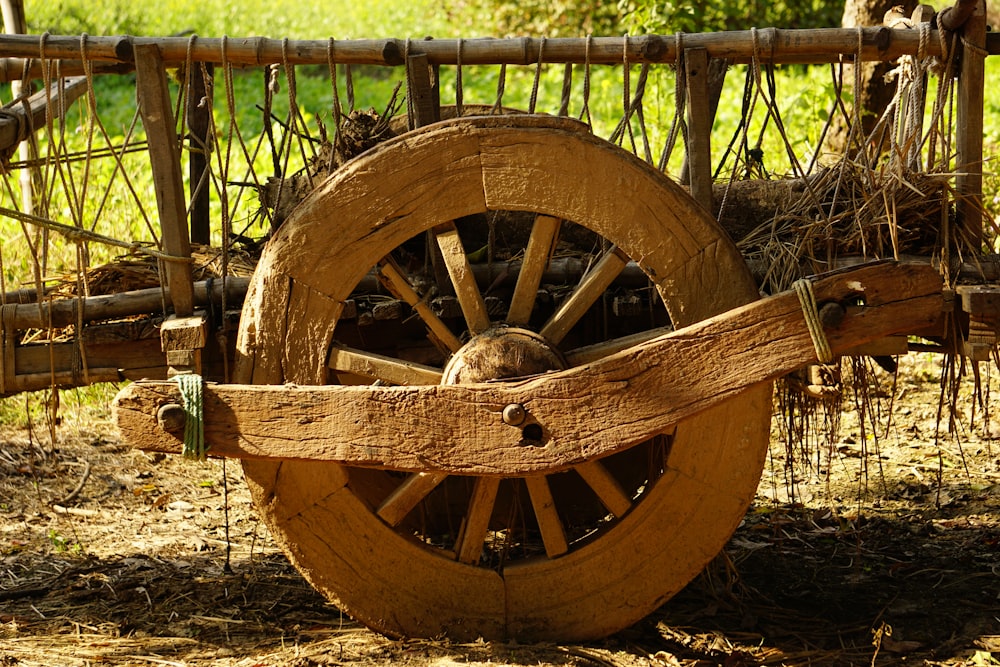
(969, 128)
(771, 44)
(165, 162)
(459, 428)
(63, 312)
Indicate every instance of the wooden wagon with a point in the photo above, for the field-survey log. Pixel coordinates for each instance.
(492, 376)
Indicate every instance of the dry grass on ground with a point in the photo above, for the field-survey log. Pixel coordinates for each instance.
(885, 553)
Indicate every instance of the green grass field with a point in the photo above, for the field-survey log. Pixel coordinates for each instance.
(804, 98)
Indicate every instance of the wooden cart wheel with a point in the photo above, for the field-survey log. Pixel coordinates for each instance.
(571, 555)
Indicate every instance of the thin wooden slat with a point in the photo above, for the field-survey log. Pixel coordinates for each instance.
(161, 135)
(605, 487)
(380, 367)
(549, 523)
(536, 258)
(408, 495)
(462, 277)
(589, 353)
(199, 139)
(391, 276)
(477, 520)
(585, 295)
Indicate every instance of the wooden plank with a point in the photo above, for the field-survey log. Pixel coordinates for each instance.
(408, 495)
(980, 300)
(584, 296)
(459, 428)
(380, 367)
(161, 135)
(184, 333)
(537, 254)
(199, 140)
(61, 96)
(549, 523)
(969, 130)
(470, 542)
(462, 277)
(605, 487)
(698, 157)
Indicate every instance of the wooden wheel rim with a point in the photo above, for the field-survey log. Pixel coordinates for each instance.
(409, 185)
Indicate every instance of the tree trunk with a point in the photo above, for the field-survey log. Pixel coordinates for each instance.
(875, 94)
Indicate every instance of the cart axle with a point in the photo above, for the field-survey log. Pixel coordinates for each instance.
(473, 428)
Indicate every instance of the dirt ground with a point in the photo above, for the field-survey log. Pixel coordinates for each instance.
(878, 547)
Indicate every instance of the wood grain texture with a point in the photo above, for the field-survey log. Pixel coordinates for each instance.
(457, 428)
(771, 45)
(410, 185)
(164, 154)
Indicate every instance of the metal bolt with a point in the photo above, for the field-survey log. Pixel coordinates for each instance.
(514, 414)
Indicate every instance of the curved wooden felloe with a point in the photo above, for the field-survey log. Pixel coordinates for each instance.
(344, 528)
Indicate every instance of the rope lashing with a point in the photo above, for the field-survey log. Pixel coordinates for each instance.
(803, 288)
(190, 385)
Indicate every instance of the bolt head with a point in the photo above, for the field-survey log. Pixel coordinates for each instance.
(514, 414)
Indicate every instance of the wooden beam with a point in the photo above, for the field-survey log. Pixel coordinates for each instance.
(199, 145)
(161, 135)
(580, 413)
(63, 312)
(969, 129)
(816, 45)
(423, 92)
(17, 121)
(698, 157)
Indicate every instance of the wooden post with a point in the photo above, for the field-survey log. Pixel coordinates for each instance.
(161, 134)
(14, 21)
(422, 91)
(199, 141)
(969, 160)
(698, 158)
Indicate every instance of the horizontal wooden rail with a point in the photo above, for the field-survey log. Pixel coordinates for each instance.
(768, 44)
(63, 312)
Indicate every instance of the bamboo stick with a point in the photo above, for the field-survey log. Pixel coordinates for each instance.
(772, 45)
(16, 121)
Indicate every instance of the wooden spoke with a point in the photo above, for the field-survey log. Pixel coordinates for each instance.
(607, 488)
(589, 290)
(477, 520)
(464, 280)
(379, 367)
(589, 353)
(392, 277)
(536, 259)
(553, 535)
(407, 495)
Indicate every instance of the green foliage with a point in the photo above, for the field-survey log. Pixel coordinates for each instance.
(652, 16)
(305, 20)
(550, 18)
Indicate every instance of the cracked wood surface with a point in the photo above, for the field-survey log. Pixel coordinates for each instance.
(581, 411)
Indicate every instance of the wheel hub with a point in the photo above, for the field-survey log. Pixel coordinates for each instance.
(502, 352)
